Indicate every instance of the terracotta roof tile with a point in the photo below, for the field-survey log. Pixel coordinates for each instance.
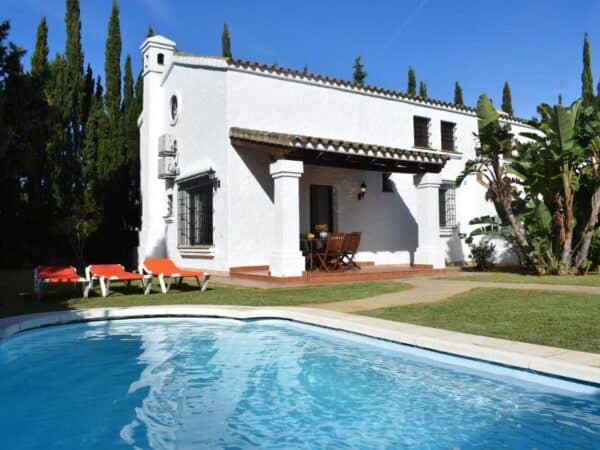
(366, 88)
(275, 68)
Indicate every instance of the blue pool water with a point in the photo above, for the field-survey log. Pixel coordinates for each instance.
(214, 383)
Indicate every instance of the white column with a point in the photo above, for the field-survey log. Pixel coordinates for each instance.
(429, 250)
(287, 259)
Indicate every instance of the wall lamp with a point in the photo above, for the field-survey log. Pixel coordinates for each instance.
(362, 190)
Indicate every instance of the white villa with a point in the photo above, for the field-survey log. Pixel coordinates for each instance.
(239, 158)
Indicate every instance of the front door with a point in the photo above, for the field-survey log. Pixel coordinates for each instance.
(321, 206)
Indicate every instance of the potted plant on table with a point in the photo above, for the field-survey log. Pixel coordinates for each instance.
(322, 230)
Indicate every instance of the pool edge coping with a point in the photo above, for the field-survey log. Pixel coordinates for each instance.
(569, 364)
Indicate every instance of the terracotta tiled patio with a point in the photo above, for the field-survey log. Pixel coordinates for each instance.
(367, 272)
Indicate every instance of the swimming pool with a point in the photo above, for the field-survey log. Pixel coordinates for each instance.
(221, 383)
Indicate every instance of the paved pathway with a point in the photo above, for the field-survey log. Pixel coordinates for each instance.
(429, 290)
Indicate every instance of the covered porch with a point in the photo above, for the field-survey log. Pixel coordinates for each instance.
(342, 184)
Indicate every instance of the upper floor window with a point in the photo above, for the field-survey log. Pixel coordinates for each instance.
(387, 185)
(447, 203)
(160, 59)
(421, 129)
(448, 136)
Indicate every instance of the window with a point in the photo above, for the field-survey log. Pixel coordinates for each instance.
(447, 196)
(174, 108)
(448, 136)
(160, 59)
(195, 215)
(387, 185)
(421, 128)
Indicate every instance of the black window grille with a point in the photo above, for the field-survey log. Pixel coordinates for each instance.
(387, 185)
(160, 59)
(447, 197)
(195, 214)
(448, 136)
(421, 130)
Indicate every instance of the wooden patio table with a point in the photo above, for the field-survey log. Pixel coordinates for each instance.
(310, 247)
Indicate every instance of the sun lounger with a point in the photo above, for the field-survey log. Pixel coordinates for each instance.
(105, 273)
(165, 268)
(56, 274)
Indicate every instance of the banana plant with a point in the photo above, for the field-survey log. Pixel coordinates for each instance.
(590, 138)
(495, 141)
(549, 167)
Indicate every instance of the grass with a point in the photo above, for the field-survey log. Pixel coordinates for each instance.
(17, 297)
(512, 277)
(557, 319)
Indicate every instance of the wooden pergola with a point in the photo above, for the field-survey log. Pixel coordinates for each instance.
(340, 153)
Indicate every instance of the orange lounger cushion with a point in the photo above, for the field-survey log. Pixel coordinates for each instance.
(114, 271)
(165, 268)
(58, 274)
(161, 265)
(43, 275)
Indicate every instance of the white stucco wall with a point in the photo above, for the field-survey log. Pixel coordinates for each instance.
(214, 97)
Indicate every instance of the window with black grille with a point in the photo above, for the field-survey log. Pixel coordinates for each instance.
(448, 136)
(195, 212)
(421, 129)
(447, 197)
(387, 185)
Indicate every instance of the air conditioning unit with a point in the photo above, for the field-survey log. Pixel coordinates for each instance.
(167, 167)
(167, 145)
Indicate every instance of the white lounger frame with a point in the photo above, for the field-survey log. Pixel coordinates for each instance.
(166, 281)
(38, 283)
(146, 282)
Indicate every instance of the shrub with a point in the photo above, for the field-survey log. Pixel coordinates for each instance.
(483, 254)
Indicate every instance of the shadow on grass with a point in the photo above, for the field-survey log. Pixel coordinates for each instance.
(17, 296)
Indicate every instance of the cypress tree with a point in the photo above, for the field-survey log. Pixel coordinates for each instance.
(71, 87)
(88, 94)
(98, 89)
(507, 100)
(587, 82)
(412, 82)
(16, 183)
(42, 170)
(130, 114)
(458, 94)
(360, 74)
(131, 111)
(139, 92)
(112, 62)
(88, 217)
(305, 70)
(39, 58)
(150, 32)
(6, 192)
(423, 89)
(225, 42)
(127, 84)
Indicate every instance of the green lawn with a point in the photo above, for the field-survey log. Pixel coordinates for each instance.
(550, 318)
(511, 277)
(17, 297)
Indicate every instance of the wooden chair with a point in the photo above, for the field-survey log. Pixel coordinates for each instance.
(331, 254)
(350, 247)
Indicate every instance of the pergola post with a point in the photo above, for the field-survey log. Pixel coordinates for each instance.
(429, 250)
(287, 259)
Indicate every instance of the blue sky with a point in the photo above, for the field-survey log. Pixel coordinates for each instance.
(535, 45)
